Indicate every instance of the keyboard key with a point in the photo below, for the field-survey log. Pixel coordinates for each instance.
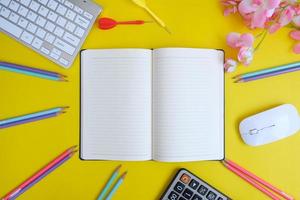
(79, 31)
(49, 26)
(220, 198)
(45, 51)
(211, 196)
(197, 197)
(34, 6)
(53, 55)
(27, 37)
(187, 193)
(78, 10)
(173, 196)
(43, 11)
(63, 61)
(31, 28)
(56, 51)
(71, 39)
(31, 16)
(14, 6)
(50, 38)
(69, 4)
(202, 190)
(52, 16)
(4, 2)
(37, 43)
(25, 2)
(44, 2)
(61, 10)
(10, 27)
(70, 26)
(23, 11)
(179, 187)
(70, 15)
(59, 31)
(52, 4)
(61, 21)
(88, 15)
(81, 21)
(41, 21)
(194, 184)
(181, 198)
(4, 12)
(64, 46)
(41, 33)
(23, 22)
(185, 178)
(14, 17)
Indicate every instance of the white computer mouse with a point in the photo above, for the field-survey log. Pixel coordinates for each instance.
(270, 125)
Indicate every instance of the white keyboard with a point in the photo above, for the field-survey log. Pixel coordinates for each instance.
(53, 28)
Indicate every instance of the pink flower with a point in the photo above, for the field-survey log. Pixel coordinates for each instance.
(236, 40)
(230, 6)
(284, 17)
(257, 12)
(296, 36)
(230, 65)
(245, 55)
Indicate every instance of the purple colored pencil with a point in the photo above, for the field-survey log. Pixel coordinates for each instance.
(31, 69)
(33, 119)
(267, 75)
(41, 177)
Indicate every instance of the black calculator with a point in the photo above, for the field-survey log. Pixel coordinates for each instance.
(187, 186)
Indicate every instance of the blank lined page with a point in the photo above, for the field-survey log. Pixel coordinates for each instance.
(188, 104)
(116, 104)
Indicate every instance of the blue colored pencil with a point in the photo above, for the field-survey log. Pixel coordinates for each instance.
(31, 69)
(31, 115)
(116, 186)
(109, 183)
(268, 70)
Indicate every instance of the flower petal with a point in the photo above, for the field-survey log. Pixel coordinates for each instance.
(247, 39)
(273, 28)
(296, 48)
(259, 19)
(296, 20)
(233, 39)
(295, 35)
(270, 4)
(247, 6)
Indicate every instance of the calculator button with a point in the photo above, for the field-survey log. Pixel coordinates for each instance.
(194, 184)
(187, 193)
(185, 178)
(179, 187)
(211, 196)
(173, 196)
(220, 198)
(202, 190)
(196, 197)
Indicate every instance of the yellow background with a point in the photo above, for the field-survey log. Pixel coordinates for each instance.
(194, 23)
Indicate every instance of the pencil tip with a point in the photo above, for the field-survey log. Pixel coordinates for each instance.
(118, 168)
(124, 175)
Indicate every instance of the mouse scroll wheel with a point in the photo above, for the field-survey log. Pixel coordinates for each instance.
(253, 131)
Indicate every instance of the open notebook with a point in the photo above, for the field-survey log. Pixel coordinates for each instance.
(164, 104)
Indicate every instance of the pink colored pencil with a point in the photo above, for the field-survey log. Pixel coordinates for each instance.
(66, 153)
(252, 182)
(261, 181)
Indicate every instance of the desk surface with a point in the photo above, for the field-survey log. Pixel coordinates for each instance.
(25, 149)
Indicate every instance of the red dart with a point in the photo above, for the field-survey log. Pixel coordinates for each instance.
(108, 23)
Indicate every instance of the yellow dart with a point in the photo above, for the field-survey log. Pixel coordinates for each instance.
(142, 3)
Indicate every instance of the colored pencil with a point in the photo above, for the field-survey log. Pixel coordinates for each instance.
(31, 179)
(43, 175)
(31, 115)
(258, 179)
(24, 121)
(242, 80)
(116, 186)
(31, 69)
(268, 70)
(109, 183)
(32, 72)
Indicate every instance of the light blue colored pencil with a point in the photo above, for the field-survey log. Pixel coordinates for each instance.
(109, 183)
(116, 186)
(31, 73)
(269, 70)
(28, 116)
